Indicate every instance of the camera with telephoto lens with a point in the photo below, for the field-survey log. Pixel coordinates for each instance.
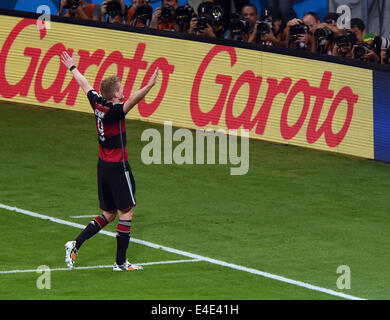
(210, 14)
(264, 26)
(167, 13)
(380, 43)
(361, 50)
(113, 9)
(297, 31)
(144, 14)
(371, 42)
(72, 4)
(387, 56)
(323, 34)
(239, 24)
(184, 14)
(344, 40)
(203, 23)
(387, 53)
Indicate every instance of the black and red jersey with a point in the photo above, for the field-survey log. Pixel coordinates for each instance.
(110, 124)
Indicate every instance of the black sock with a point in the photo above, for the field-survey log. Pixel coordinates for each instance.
(122, 240)
(91, 229)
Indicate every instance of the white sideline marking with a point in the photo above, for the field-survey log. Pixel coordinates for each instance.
(101, 267)
(86, 216)
(192, 255)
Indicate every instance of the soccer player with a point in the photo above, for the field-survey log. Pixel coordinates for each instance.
(116, 186)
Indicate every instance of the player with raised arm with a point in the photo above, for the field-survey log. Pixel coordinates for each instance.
(116, 185)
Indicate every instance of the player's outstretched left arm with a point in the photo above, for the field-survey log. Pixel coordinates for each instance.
(137, 96)
(70, 62)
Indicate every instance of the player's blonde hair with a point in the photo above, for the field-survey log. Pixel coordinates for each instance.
(109, 86)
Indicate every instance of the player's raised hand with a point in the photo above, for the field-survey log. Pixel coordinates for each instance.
(137, 96)
(68, 60)
(154, 78)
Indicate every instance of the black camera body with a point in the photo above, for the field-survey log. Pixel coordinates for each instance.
(184, 14)
(167, 13)
(264, 27)
(387, 53)
(72, 4)
(375, 45)
(239, 24)
(113, 9)
(361, 50)
(298, 30)
(344, 40)
(144, 14)
(323, 34)
(209, 13)
(203, 23)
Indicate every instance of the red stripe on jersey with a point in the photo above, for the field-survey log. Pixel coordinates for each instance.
(101, 108)
(111, 155)
(113, 129)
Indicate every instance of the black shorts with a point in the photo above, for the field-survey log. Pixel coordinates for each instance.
(116, 187)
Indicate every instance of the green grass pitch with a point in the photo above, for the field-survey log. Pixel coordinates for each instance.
(298, 214)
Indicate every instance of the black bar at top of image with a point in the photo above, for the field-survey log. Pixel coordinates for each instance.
(184, 36)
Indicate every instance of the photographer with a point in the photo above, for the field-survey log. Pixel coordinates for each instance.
(115, 9)
(297, 36)
(311, 20)
(164, 16)
(368, 47)
(206, 31)
(183, 16)
(243, 25)
(139, 14)
(300, 33)
(344, 45)
(326, 33)
(385, 56)
(209, 22)
(79, 9)
(269, 31)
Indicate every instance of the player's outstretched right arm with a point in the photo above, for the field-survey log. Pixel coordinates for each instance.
(137, 96)
(70, 63)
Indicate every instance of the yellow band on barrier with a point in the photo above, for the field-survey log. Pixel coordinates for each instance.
(276, 97)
